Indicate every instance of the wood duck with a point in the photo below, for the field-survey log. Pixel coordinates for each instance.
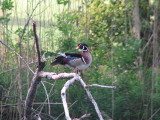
(75, 60)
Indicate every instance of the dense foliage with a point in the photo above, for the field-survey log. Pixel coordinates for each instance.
(107, 27)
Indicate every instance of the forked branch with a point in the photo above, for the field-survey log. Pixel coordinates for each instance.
(53, 76)
(35, 81)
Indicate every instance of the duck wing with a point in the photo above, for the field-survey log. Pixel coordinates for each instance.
(70, 58)
(75, 57)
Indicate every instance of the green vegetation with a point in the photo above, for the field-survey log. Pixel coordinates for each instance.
(119, 57)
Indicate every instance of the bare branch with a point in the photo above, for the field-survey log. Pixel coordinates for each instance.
(35, 81)
(24, 29)
(91, 98)
(31, 95)
(17, 55)
(106, 116)
(4, 89)
(35, 103)
(82, 117)
(54, 76)
(69, 108)
(63, 96)
(74, 77)
(149, 41)
(154, 114)
(47, 94)
(37, 44)
(24, 66)
(29, 18)
(49, 83)
(49, 107)
(102, 86)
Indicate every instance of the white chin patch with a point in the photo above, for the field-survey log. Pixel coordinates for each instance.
(85, 48)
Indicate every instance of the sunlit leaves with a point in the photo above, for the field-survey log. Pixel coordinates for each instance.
(7, 5)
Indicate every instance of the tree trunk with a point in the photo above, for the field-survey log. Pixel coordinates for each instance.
(136, 34)
(155, 62)
(20, 84)
(136, 20)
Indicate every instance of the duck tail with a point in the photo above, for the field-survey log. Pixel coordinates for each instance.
(54, 63)
(58, 60)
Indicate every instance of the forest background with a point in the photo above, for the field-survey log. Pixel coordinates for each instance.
(124, 39)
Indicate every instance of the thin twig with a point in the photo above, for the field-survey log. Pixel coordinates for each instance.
(24, 29)
(102, 86)
(69, 108)
(147, 43)
(23, 66)
(36, 103)
(154, 114)
(48, 94)
(49, 83)
(17, 55)
(49, 107)
(82, 117)
(4, 89)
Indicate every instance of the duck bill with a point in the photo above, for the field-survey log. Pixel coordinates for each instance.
(78, 47)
